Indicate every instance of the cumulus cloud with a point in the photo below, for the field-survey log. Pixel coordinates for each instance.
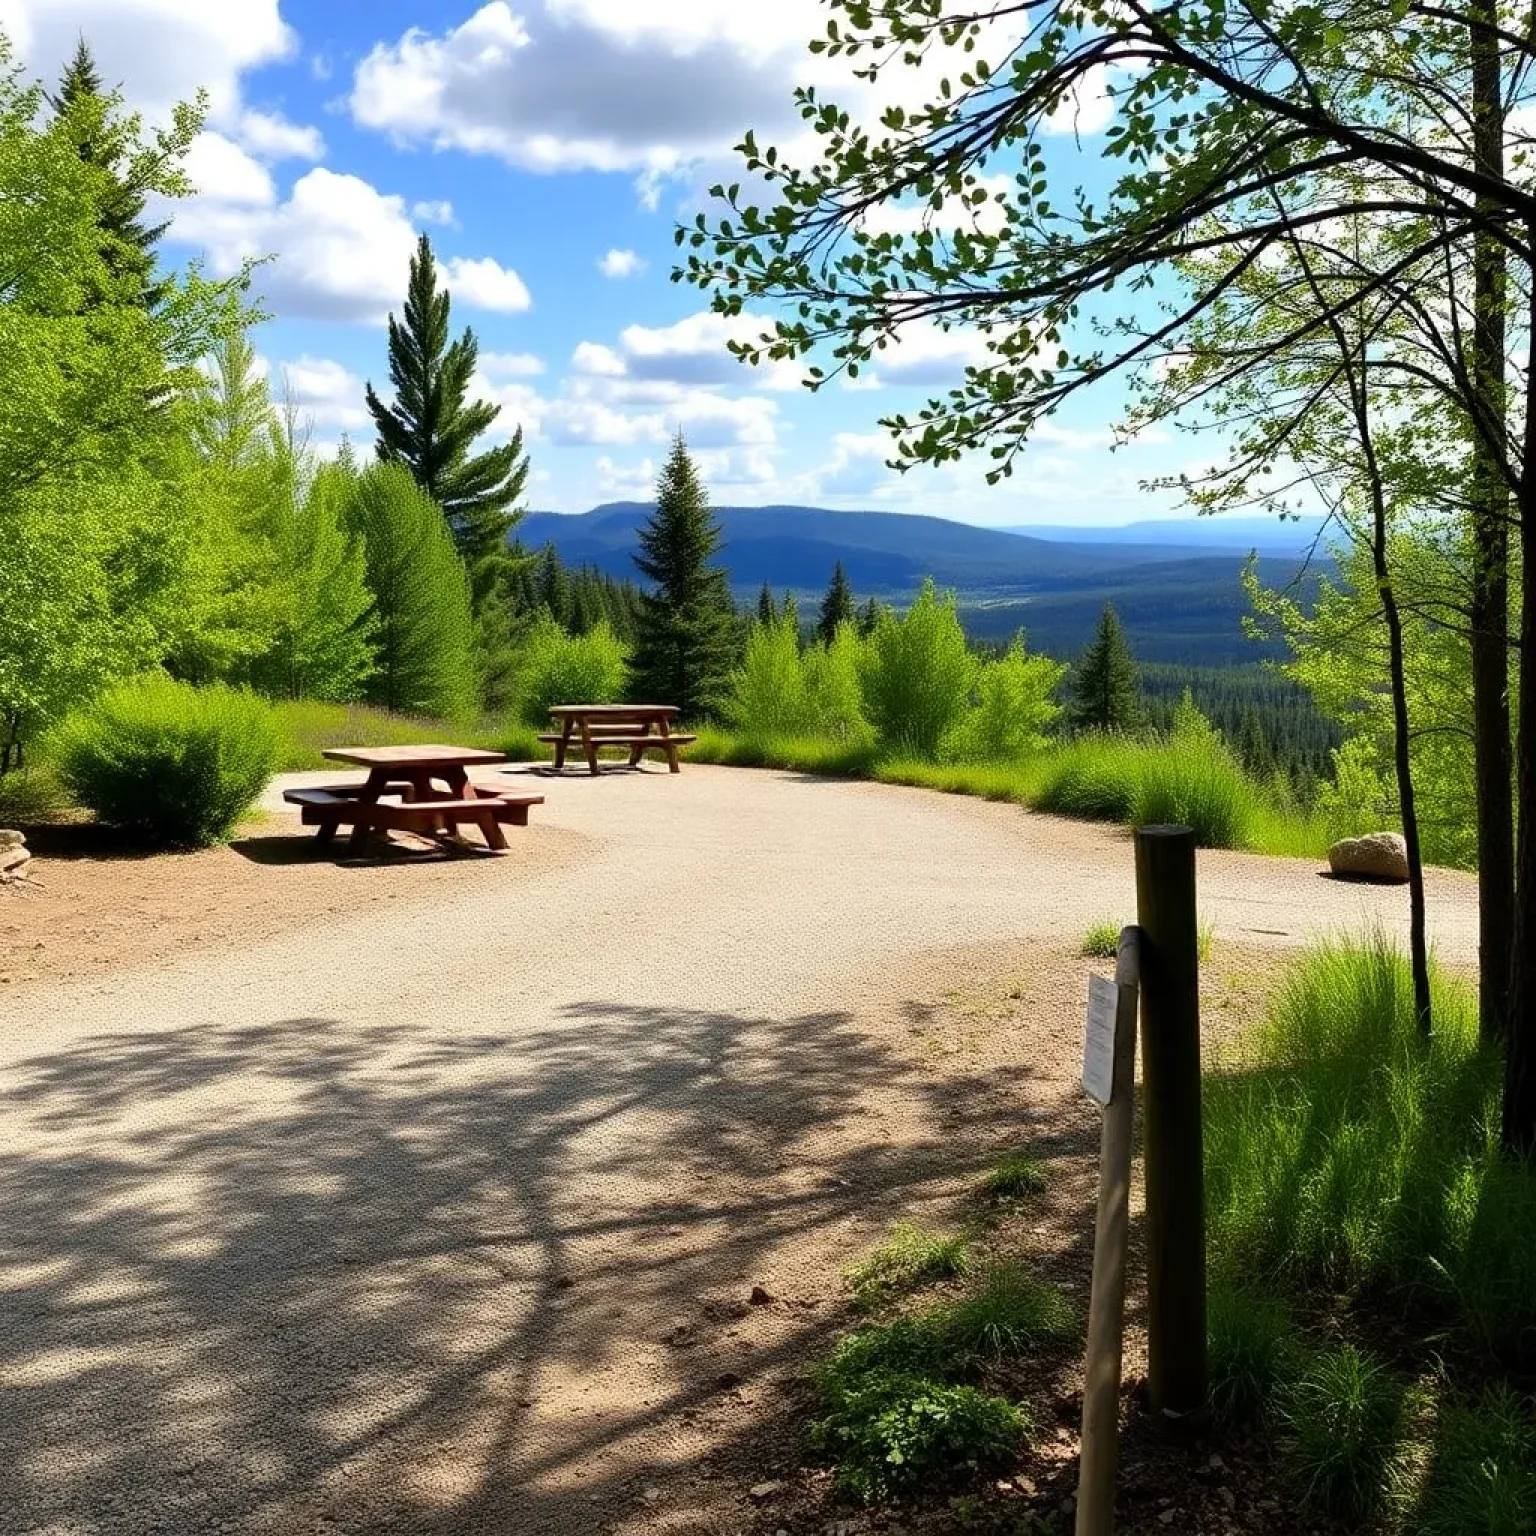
(434, 211)
(924, 357)
(325, 392)
(511, 365)
(342, 248)
(607, 85)
(693, 351)
(620, 264)
(272, 136)
(160, 51)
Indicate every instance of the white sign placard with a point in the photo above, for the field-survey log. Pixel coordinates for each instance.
(1099, 1039)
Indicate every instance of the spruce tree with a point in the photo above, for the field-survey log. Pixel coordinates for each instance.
(766, 612)
(836, 607)
(686, 632)
(82, 103)
(1106, 691)
(431, 427)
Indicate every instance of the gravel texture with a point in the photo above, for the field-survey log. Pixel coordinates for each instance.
(365, 1197)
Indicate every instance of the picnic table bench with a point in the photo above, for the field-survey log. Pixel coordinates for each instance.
(640, 727)
(435, 795)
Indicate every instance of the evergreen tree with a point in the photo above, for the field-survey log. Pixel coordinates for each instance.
(766, 612)
(431, 427)
(84, 107)
(425, 637)
(686, 634)
(836, 606)
(1106, 691)
(236, 408)
(553, 586)
(869, 617)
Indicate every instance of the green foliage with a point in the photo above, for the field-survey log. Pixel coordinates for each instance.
(1015, 1174)
(917, 674)
(1102, 941)
(1106, 689)
(890, 1433)
(685, 633)
(801, 754)
(1185, 782)
(1343, 1418)
(1349, 1153)
(1482, 1475)
(557, 668)
(173, 764)
(833, 690)
(1355, 801)
(425, 645)
(431, 427)
(1251, 1353)
(769, 696)
(307, 727)
(1015, 707)
(908, 1259)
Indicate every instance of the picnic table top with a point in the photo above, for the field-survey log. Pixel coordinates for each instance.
(425, 755)
(613, 709)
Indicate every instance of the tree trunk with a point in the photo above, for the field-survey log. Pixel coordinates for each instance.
(1489, 608)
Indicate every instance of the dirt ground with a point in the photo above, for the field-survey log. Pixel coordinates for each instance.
(429, 1195)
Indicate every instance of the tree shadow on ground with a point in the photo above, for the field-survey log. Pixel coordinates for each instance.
(312, 1274)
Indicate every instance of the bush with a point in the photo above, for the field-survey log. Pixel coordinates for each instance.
(917, 673)
(890, 1432)
(769, 699)
(1344, 1419)
(907, 1259)
(174, 764)
(1015, 706)
(832, 686)
(557, 668)
(1353, 1154)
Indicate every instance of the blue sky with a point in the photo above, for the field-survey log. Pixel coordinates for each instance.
(548, 147)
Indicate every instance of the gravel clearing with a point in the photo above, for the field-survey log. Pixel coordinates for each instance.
(430, 1197)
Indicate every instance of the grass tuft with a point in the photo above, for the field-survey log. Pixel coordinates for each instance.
(1015, 1174)
(1344, 1418)
(1482, 1475)
(907, 1259)
(1102, 941)
(1251, 1347)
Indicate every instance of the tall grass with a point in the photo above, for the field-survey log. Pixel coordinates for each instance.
(1348, 1153)
(306, 727)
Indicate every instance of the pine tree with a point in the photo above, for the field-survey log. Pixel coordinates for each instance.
(128, 244)
(869, 617)
(553, 586)
(1106, 691)
(431, 428)
(766, 612)
(686, 634)
(836, 606)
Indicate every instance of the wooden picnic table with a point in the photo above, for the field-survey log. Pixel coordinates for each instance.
(640, 727)
(434, 790)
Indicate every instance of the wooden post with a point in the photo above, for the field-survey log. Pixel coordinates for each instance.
(1100, 1453)
(1173, 1146)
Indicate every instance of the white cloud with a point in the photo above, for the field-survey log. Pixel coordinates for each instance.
(271, 135)
(924, 357)
(511, 365)
(609, 85)
(434, 212)
(325, 392)
(591, 357)
(621, 264)
(342, 248)
(1087, 109)
(159, 51)
(693, 351)
(483, 282)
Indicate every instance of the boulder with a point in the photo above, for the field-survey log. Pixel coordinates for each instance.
(10, 839)
(14, 861)
(1376, 856)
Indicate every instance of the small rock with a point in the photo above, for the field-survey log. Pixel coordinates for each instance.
(11, 838)
(14, 860)
(766, 1490)
(1216, 1464)
(759, 1297)
(1376, 856)
(651, 1495)
(1167, 1517)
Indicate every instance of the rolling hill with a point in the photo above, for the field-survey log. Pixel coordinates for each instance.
(1180, 597)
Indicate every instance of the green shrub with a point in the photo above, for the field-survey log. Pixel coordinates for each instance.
(917, 672)
(1251, 1345)
(1344, 1419)
(800, 754)
(1102, 941)
(1012, 1311)
(557, 668)
(307, 727)
(833, 690)
(907, 1259)
(1015, 706)
(1015, 1174)
(174, 764)
(888, 1432)
(1350, 1153)
(769, 698)
(1482, 1475)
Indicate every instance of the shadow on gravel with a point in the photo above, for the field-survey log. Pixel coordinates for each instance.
(316, 1275)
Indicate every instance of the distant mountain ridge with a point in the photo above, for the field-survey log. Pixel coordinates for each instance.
(1180, 595)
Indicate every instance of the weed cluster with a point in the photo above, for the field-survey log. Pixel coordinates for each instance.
(907, 1259)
